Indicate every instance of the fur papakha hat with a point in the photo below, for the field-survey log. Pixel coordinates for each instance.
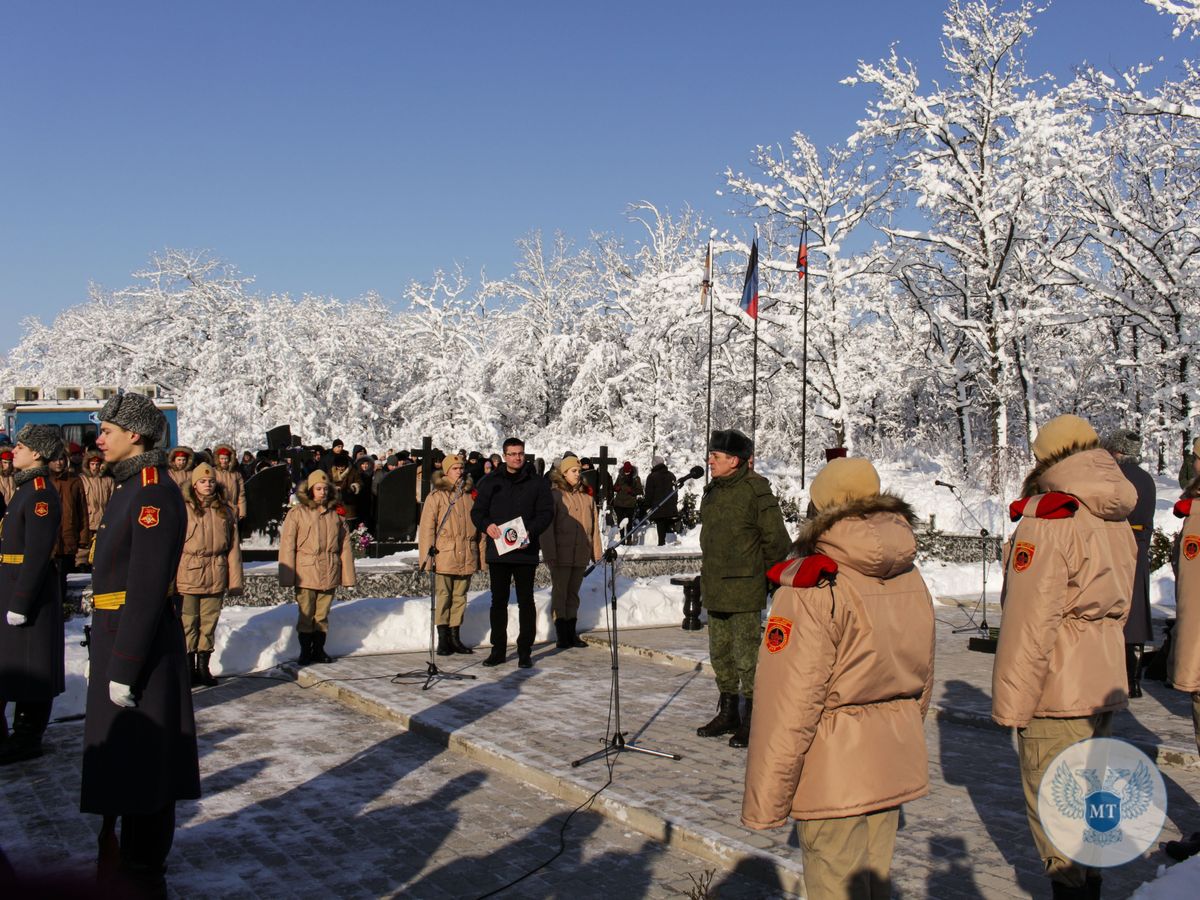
(204, 470)
(1125, 441)
(138, 414)
(732, 442)
(843, 480)
(44, 440)
(1060, 433)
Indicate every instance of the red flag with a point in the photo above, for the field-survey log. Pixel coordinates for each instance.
(749, 302)
(802, 256)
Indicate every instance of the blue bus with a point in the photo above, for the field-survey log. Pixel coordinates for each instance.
(77, 418)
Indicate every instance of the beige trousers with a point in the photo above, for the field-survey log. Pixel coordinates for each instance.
(850, 858)
(451, 591)
(1037, 745)
(314, 610)
(564, 590)
(200, 614)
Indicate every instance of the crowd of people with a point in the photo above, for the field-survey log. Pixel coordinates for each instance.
(829, 698)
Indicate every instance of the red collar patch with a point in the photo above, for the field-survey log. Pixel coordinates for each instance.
(779, 631)
(41, 508)
(148, 517)
(39, 483)
(150, 476)
(1183, 508)
(805, 572)
(1054, 505)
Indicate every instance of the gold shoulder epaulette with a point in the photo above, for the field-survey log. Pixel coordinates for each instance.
(149, 476)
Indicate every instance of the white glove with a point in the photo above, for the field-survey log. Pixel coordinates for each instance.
(16, 618)
(121, 694)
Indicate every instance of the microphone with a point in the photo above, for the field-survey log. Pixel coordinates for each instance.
(693, 472)
(944, 484)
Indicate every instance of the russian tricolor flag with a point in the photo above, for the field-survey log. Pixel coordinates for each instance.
(750, 289)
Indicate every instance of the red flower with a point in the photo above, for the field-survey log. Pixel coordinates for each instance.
(340, 510)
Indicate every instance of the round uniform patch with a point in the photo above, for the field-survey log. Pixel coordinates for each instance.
(1023, 556)
(42, 508)
(1102, 802)
(148, 517)
(1191, 546)
(779, 630)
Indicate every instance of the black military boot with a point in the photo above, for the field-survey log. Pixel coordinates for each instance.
(456, 643)
(1060, 891)
(443, 647)
(726, 720)
(499, 618)
(318, 648)
(206, 677)
(560, 634)
(572, 636)
(1183, 849)
(306, 649)
(741, 737)
(1092, 887)
(192, 670)
(25, 742)
(1133, 669)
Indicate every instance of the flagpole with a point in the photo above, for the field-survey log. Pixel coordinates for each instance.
(804, 369)
(708, 395)
(754, 371)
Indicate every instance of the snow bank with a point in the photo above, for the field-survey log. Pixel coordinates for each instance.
(1176, 882)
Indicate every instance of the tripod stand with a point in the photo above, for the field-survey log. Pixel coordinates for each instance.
(431, 670)
(616, 743)
(981, 627)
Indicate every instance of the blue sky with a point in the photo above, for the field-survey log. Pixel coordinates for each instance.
(340, 148)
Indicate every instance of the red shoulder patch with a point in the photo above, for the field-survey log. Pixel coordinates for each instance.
(148, 517)
(1054, 505)
(1191, 546)
(805, 572)
(779, 631)
(1023, 555)
(41, 508)
(149, 476)
(39, 483)
(1183, 508)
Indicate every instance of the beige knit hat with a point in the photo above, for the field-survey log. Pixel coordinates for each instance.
(450, 462)
(843, 480)
(567, 463)
(315, 477)
(204, 470)
(1060, 433)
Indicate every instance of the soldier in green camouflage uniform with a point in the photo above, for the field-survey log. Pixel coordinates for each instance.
(742, 535)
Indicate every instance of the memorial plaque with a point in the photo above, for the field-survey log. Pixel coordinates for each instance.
(396, 505)
(279, 439)
(267, 494)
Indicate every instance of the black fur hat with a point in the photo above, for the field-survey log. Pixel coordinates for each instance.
(44, 440)
(732, 442)
(138, 414)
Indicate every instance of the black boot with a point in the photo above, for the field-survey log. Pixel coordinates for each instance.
(1060, 891)
(1183, 849)
(572, 636)
(1133, 669)
(726, 720)
(741, 737)
(1092, 887)
(443, 647)
(524, 660)
(318, 648)
(306, 648)
(202, 673)
(499, 620)
(193, 670)
(25, 742)
(560, 634)
(456, 643)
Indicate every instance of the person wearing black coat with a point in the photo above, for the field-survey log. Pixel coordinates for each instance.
(1126, 448)
(660, 483)
(31, 613)
(140, 753)
(513, 491)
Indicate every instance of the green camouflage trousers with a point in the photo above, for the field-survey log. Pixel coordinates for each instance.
(733, 650)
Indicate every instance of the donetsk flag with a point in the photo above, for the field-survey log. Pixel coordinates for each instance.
(750, 288)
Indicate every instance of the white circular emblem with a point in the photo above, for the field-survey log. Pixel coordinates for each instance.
(1102, 802)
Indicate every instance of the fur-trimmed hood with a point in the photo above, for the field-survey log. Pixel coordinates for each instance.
(558, 482)
(304, 498)
(216, 500)
(1088, 473)
(187, 451)
(872, 535)
(441, 482)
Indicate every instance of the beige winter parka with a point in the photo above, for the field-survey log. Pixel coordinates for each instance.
(314, 545)
(1185, 639)
(230, 479)
(844, 674)
(458, 544)
(212, 554)
(573, 538)
(1068, 580)
(97, 489)
(182, 477)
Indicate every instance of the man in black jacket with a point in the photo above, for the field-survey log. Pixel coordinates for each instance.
(513, 491)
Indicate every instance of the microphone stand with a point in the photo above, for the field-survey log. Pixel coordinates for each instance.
(431, 670)
(984, 534)
(616, 743)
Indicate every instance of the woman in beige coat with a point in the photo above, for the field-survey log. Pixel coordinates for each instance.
(211, 565)
(843, 683)
(457, 557)
(569, 545)
(315, 557)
